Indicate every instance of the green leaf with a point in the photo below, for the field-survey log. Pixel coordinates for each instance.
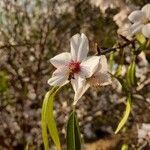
(126, 114)
(140, 38)
(26, 147)
(124, 147)
(130, 76)
(48, 120)
(119, 68)
(70, 133)
(77, 134)
(111, 61)
(123, 84)
(52, 128)
(43, 119)
(73, 133)
(118, 71)
(3, 81)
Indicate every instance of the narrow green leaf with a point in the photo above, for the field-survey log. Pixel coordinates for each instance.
(111, 61)
(48, 120)
(119, 68)
(128, 76)
(132, 74)
(141, 39)
(77, 134)
(70, 132)
(118, 71)
(124, 147)
(126, 114)
(123, 84)
(73, 133)
(147, 44)
(52, 128)
(26, 147)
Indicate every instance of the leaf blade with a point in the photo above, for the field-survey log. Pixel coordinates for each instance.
(52, 128)
(70, 132)
(73, 133)
(47, 111)
(126, 114)
(43, 120)
(77, 134)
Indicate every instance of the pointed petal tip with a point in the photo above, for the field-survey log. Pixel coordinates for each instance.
(74, 103)
(77, 35)
(83, 34)
(49, 82)
(146, 10)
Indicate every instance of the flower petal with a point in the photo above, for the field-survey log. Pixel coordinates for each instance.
(80, 92)
(125, 31)
(83, 48)
(103, 67)
(58, 80)
(77, 82)
(136, 28)
(103, 79)
(137, 16)
(75, 42)
(79, 86)
(61, 59)
(59, 77)
(89, 66)
(146, 30)
(146, 10)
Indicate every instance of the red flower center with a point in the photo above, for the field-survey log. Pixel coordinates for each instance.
(74, 67)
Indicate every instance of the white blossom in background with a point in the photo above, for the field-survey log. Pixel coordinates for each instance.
(99, 78)
(74, 66)
(105, 4)
(141, 21)
(121, 18)
(144, 133)
(63, 6)
(125, 31)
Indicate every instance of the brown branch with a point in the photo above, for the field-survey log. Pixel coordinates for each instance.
(103, 51)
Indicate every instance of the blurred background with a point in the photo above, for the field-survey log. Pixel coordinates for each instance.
(31, 32)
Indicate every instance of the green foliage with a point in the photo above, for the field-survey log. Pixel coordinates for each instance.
(119, 69)
(3, 81)
(140, 38)
(48, 121)
(73, 133)
(26, 147)
(111, 61)
(126, 114)
(124, 147)
(123, 83)
(143, 42)
(130, 75)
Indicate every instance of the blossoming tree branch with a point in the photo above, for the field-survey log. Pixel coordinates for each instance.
(83, 71)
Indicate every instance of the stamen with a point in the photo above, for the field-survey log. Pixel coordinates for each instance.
(74, 67)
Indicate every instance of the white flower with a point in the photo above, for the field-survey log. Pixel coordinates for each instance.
(125, 31)
(74, 66)
(121, 18)
(105, 4)
(141, 21)
(99, 78)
